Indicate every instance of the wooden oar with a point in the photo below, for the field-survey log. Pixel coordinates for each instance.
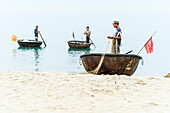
(129, 52)
(92, 42)
(42, 39)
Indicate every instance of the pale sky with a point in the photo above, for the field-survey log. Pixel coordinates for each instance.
(84, 6)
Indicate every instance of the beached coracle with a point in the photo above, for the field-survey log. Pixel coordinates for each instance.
(78, 44)
(120, 64)
(29, 43)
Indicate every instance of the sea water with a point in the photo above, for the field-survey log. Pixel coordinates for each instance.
(57, 28)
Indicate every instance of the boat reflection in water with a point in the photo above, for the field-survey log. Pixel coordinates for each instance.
(74, 58)
(79, 51)
(32, 52)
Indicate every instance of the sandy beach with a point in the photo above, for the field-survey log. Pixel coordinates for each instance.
(32, 92)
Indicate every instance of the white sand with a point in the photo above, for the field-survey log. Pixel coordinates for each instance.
(29, 92)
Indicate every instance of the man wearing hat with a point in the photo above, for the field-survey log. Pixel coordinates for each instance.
(116, 38)
(87, 33)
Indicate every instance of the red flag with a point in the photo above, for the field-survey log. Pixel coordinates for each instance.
(73, 35)
(149, 46)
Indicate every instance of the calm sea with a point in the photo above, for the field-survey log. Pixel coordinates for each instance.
(57, 28)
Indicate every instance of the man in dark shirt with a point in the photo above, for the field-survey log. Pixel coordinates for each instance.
(116, 42)
(36, 33)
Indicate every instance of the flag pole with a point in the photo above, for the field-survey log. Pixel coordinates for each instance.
(145, 43)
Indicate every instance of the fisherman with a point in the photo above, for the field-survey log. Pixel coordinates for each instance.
(116, 38)
(87, 33)
(36, 33)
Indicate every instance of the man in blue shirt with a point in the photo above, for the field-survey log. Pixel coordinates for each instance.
(116, 42)
(36, 33)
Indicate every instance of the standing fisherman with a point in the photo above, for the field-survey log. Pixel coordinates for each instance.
(87, 33)
(116, 38)
(36, 33)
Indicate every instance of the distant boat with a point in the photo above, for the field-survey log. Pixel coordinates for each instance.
(78, 44)
(29, 43)
(120, 64)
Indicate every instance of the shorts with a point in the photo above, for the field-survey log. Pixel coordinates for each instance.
(36, 39)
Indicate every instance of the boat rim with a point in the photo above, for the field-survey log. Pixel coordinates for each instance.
(77, 41)
(110, 54)
(22, 41)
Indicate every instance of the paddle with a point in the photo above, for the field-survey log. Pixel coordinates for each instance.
(92, 42)
(42, 39)
(129, 52)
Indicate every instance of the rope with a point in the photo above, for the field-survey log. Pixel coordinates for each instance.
(116, 47)
(112, 47)
(101, 61)
(95, 71)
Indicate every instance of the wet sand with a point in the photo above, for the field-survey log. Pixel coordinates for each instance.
(31, 92)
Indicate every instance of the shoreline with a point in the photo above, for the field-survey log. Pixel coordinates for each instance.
(38, 92)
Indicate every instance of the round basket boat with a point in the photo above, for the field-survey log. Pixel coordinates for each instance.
(78, 44)
(120, 64)
(29, 43)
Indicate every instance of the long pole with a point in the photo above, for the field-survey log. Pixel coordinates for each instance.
(92, 43)
(42, 39)
(145, 43)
